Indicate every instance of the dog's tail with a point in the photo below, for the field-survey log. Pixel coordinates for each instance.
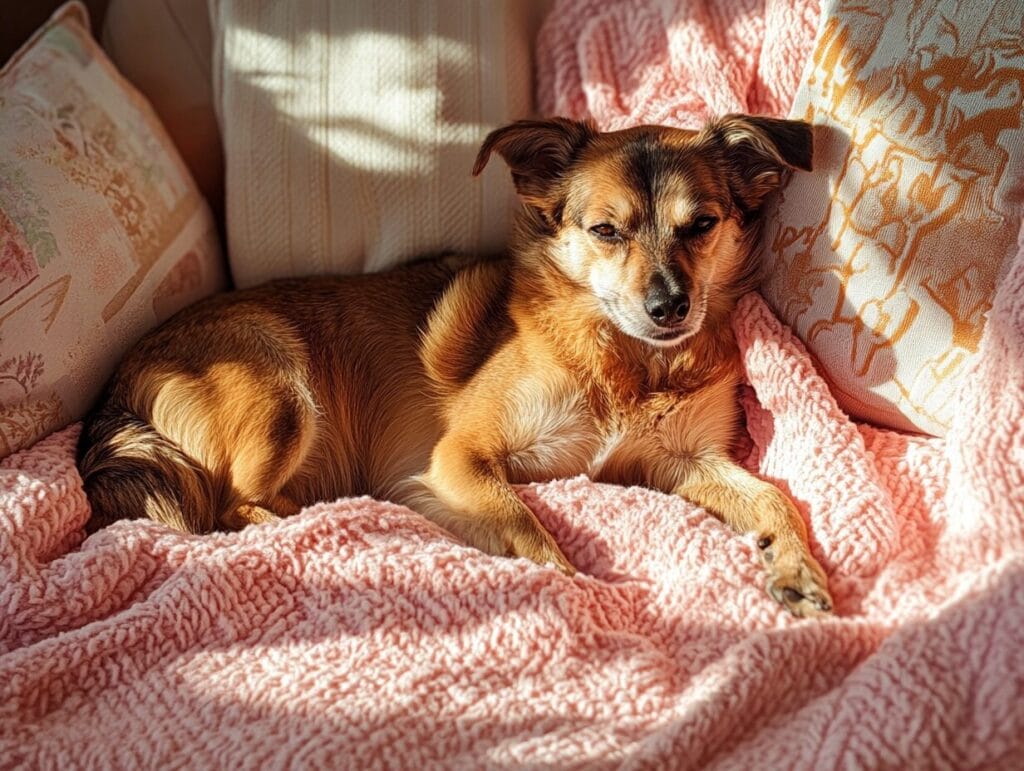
(130, 470)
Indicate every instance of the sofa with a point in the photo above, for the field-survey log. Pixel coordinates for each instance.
(216, 143)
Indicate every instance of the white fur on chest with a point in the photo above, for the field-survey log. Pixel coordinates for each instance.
(548, 432)
(551, 433)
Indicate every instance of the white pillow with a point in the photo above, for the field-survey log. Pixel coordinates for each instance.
(350, 128)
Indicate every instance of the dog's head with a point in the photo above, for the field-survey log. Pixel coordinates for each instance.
(657, 223)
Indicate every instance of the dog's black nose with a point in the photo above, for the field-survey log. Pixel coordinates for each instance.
(665, 307)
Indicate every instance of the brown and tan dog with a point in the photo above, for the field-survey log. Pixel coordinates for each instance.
(601, 346)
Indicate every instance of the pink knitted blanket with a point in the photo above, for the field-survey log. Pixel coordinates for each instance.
(358, 635)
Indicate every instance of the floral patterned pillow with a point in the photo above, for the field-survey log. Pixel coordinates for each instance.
(102, 231)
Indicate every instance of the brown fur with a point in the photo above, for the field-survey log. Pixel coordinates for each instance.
(441, 384)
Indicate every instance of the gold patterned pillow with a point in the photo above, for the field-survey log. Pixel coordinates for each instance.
(886, 259)
(102, 231)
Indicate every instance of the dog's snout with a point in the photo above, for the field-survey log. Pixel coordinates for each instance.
(665, 304)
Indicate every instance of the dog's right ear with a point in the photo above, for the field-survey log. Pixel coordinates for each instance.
(538, 152)
(760, 153)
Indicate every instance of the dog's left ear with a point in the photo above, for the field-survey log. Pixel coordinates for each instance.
(761, 153)
(538, 152)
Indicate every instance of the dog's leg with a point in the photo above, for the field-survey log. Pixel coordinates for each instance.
(247, 514)
(254, 514)
(466, 493)
(749, 504)
(263, 461)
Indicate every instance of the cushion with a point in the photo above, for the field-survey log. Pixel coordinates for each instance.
(165, 48)
(887, 258)
(102, 232)
(350, 128)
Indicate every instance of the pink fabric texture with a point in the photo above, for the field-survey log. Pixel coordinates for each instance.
(673, 62)
(358, 635)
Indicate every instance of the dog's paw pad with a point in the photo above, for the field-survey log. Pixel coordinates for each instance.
(800, 586)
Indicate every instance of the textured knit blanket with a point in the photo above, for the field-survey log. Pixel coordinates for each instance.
(356, 634)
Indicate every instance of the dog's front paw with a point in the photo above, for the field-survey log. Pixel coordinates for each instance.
(797, 582)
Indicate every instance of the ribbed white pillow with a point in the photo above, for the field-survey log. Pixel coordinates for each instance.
(350, 128)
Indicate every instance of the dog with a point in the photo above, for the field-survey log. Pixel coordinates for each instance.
(600, 345)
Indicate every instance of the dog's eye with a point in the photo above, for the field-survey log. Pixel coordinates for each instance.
(703, 225)
(605, 231)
